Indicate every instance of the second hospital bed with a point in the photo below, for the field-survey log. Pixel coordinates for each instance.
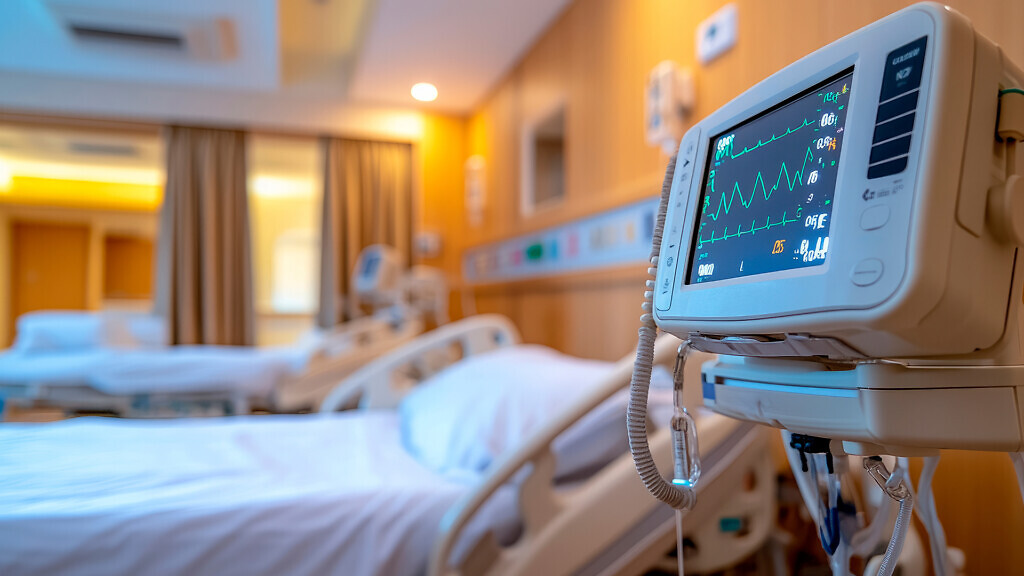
(121, 362)
(449, 467)
(137, 379)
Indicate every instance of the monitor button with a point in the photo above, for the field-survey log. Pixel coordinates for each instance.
(874, 217)
(889, 150)
(867, 272)
(664, 288)
(890, 109)
(883, 169)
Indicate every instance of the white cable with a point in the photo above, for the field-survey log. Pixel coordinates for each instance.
(1018, 463)
(803, 480)
(928, 514)
(864, 542)
(679, 540)
(678, 497)
(841, 557)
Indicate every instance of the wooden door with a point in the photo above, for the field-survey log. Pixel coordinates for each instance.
(49, 268)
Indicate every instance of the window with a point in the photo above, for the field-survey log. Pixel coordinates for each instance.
(296, 261)
(543, 170)
(285, 194)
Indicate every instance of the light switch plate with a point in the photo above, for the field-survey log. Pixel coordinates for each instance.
(717, 33)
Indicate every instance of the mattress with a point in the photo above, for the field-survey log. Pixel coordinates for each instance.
(309, 494)
(188, 369)
(59, 369)
(171, 370)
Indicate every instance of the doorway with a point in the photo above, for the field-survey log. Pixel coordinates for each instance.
(49, 268)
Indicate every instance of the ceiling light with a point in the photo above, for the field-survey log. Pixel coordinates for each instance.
(424, 92)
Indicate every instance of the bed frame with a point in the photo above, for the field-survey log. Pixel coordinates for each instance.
(607, 524)
(340, 351)
(344, 349)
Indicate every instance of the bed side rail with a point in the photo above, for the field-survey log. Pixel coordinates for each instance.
(539, 504)
(363, 331)
(382, 382)
(336, 360)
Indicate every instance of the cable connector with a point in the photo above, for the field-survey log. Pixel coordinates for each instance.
(1011, 114)
(805, 444)
(684, 429)
(892, 484)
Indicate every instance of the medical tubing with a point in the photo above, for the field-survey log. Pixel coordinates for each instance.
(679, 541)
(866, 539)
(803, 480)
(1018, 464)
(929, 517)
(678, 497)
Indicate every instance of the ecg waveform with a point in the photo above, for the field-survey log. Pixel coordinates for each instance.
(726, 204)
(806, 122)
(769, 185)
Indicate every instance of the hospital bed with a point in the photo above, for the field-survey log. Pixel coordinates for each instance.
(374, 490)
(121, 363)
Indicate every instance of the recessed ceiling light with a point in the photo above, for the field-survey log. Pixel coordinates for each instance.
(424, 92)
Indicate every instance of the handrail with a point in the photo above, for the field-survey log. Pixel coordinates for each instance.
(535, 451)
(372, 381)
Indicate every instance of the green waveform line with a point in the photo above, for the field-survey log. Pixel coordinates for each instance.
(773, 139)
(768, 225)
(791, 182)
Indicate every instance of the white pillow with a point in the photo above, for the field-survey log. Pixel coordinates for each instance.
(482, 408)
(52, 331)
(136, 330)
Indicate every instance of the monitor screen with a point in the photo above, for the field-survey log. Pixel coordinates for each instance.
(766, 202)
(370, 263)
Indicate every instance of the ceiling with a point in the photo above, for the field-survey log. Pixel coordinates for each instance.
(311, 65)
(238, 48)
(128, 158)
(81, 155)
(463, 47)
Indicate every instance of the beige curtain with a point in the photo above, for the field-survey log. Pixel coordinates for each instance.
(204, 277)
(367, 200)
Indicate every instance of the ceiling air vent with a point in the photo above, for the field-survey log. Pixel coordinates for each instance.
(193, 37)
(100, 33)
(102, 149)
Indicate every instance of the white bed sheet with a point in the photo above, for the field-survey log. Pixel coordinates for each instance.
(187, 369)
(247, 495)
(58, 369)
(173, 369)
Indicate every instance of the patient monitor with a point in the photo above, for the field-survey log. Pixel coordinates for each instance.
(858, 209)
(377, 276)
(846, 236)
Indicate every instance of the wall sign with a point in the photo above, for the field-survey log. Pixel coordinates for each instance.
(616, 237)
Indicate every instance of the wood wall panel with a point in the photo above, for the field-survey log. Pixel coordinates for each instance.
(128, 267)
(49, 268)
(595, 58)
(100, 224)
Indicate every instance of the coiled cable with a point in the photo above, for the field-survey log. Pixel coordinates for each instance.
(677, 496)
